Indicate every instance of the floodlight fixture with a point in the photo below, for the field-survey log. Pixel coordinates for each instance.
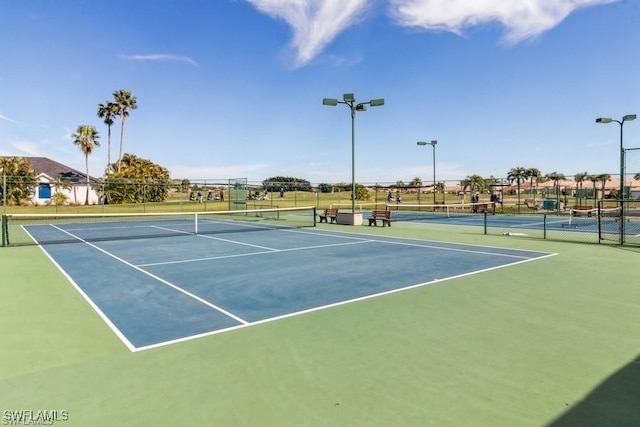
(349, 100)
(625, 118)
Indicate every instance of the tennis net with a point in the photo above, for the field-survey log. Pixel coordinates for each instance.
(419, 212)
(25, 229)
(587, 217)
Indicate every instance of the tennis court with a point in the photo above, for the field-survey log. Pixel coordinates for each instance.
(552, 342)
(156, 281)
(579, 221)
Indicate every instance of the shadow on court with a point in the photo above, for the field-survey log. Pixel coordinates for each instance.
(615, 402)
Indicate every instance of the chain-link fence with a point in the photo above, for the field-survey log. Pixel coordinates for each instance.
(571, 209)
(610, 222)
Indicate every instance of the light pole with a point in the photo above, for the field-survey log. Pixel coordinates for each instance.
(627, 118)
(433, 145)
(348, 99)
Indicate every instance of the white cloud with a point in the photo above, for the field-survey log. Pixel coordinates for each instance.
(522, 19)
(315, 23)
(7, 119)
(161, 57)
(27, 148)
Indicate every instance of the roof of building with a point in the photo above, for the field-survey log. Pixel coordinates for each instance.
(44, 165)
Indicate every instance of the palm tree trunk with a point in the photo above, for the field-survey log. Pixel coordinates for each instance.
(121, 136)
(86, 162)
(108, 146)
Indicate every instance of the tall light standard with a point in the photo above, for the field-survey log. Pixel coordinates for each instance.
(348, 99)
(627, 118)
(433, 145)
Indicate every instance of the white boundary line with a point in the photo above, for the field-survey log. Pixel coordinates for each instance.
(243, 323)
(159, 279)
(337, 304)
(271, 251)
(93, 305)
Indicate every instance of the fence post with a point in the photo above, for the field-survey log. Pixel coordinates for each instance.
(485, 221)
(3, 223)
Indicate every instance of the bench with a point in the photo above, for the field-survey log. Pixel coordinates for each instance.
(330, 213)
(384, 216)
(531, 204)
(480, 208)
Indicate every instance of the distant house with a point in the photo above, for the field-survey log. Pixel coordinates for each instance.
(48, 172)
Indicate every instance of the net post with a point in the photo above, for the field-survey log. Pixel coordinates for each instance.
(544, 226)
(3, 231)
(4, 194)
(315, 209)
(485, 222)
(598, 213)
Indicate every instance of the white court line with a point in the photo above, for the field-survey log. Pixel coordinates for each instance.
(253, 253)
(434, 242)
(172, 230)
(337, 304)
(159, 279)
(89, 301)
(358, 239)
(457, 250)
(444, 248)
(236, 242)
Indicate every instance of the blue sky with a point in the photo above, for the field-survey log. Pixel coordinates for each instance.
(234, 88)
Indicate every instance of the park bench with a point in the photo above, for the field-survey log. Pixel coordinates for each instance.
(330, 213)
(384, 216)
(531, 204)
(480, 208)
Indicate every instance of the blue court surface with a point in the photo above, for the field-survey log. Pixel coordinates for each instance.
(162, 290)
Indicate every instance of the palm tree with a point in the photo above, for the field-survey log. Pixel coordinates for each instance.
(125, 102)
(637, 176)
(20, 179)
(108, 112)
(556, 177)
(594, 179)
(417, 182)
(474, 183)
(533, 173)
(86, 138)
(60, 184)
(519, 175)
(604, 178)
(579, 178)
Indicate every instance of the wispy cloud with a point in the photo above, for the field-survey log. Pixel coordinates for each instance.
(521, 19)
(160, 57)
(6, 119)
(315, 23)
(27, 148)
